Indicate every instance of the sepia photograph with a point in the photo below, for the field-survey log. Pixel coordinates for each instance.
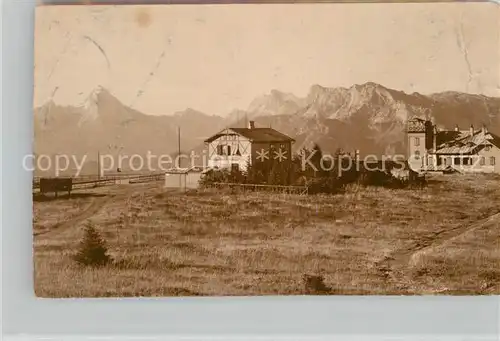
(266, 149)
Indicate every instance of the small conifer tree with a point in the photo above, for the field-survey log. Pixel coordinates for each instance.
(92, 250)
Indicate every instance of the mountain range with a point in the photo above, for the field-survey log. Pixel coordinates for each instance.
(368, 117)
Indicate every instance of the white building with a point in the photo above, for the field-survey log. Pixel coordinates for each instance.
(235, 148)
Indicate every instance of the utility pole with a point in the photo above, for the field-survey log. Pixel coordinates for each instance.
(179, 155)
(98, 165)
(179, 145)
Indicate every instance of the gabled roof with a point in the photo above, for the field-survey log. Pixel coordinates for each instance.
(457, 149)
(462, 142)
(254, 134)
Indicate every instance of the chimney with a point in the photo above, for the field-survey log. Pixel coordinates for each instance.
(485, 130)
(251, 124)
(471, 130)
(434, 138)
(457, 128)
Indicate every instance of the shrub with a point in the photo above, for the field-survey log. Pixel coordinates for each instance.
(92, 250)
(320, 174)
(325, 185)
(221, 176)
(378, 178)
(315, 285)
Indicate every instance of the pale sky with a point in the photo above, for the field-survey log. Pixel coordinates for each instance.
(215, 58)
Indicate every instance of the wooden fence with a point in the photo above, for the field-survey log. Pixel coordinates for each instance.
(256, 187)
(92, 181)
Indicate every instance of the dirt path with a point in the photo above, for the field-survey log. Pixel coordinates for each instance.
(97, 204)
(393, 267)
(415, 256)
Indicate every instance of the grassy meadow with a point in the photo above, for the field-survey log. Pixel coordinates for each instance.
(442, 239)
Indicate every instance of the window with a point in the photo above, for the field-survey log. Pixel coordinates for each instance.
(487, 148)
(482, 161)
(223, 149)
(456, 161)
(492, 160)
(467, 161)
(417, 141)
(417, 154)
(445, 161)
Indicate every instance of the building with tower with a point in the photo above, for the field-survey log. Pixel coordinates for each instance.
(431, 149)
